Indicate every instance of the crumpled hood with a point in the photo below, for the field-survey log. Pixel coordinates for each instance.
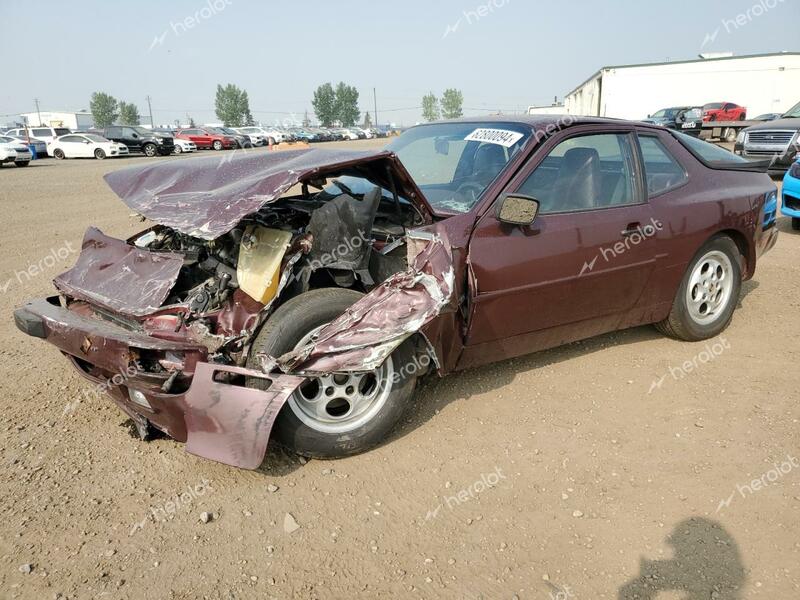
(207, 197)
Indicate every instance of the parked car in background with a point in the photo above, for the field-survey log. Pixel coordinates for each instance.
(777, 140)
(182, 146)
(206, 138)
(13, 151)
(724, 111)
(257, 135)
(767, 117)
(688, 119)
(40, 146)
(791, 194)
(304, 135)
(242, 139)
(86, 145)
(494, 241)
(138, 139)
(347, 134)
(46, 134)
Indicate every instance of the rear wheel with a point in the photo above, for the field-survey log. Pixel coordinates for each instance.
(796, 223)
(99, 154)
(707, 297)
(217, 145)
(22, 163)
(58, 154)
(337, 414)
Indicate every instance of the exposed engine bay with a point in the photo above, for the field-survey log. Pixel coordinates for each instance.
(348, 233)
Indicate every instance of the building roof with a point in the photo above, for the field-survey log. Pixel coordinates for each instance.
(679, 62)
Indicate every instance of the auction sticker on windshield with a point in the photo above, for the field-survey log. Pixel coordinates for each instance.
(503, 137)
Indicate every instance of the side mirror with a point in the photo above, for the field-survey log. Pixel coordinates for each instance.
(134, 136)
(517, 209)
(648, 116)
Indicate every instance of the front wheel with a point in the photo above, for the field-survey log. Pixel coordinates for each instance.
(217, 145)
(178, 149)
(337, 414)
(99, 154)
(707, 296)
(150, 150)
(796, 223)
(22, 163)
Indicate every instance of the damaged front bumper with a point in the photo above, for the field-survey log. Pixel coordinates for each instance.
(218, 417)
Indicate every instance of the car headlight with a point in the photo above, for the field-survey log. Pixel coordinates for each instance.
(740, 137)
(795, 170)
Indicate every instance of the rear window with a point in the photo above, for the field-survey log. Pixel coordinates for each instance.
(61, 131)
(709, 153)
(44, 132)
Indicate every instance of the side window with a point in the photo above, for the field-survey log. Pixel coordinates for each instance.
(663, 172)
(130, 133)
(113, 132)
(584, 173)
(44, 132)
(71, 139)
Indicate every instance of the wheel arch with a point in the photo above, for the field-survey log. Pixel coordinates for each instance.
(746, 250)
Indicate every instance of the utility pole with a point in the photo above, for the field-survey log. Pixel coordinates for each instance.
(375, 101)
(150, 107)
(38, 112)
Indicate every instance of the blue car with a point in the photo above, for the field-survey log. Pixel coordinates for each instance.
(791, 195)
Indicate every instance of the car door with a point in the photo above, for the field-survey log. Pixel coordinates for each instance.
(584, 262)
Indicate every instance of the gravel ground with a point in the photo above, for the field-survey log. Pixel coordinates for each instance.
(563, 475)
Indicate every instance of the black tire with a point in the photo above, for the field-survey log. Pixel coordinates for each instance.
(58, 154)
(283, 331)
(178, 149)
(680, 324)
(99, 154)
(741, 117)
(150, 150)
(22, 163)
(217, 145)
(796, 223)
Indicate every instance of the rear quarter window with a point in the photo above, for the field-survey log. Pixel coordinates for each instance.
(707, 153)
(663, 172)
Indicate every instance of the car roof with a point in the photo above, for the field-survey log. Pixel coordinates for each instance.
(539, 122)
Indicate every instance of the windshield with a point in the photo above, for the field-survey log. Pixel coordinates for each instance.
(665, 113)
(713, 106)
(454, 163)
(793, 113)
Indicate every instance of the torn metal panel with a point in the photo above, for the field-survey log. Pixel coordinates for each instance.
(207, 197)
(123, 278)
(229, 423)
(370, 330)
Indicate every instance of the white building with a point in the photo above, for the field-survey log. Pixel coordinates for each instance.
(71, 120)
(764, 83)
(552, 109)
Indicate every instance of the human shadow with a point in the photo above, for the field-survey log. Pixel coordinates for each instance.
(706, 564)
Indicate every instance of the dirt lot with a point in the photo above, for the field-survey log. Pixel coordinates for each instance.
(565, 475)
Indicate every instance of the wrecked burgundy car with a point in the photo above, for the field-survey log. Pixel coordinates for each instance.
(310, 289)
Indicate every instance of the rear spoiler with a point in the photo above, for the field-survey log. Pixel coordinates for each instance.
(755, 166)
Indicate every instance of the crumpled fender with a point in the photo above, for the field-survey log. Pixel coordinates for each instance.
(370, 330)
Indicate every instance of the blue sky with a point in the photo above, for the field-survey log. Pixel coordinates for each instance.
(504, 56)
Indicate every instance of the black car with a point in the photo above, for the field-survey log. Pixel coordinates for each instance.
(686, 119)
(139, 139)
(777, 140)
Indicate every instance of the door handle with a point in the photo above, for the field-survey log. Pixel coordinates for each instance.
(631, 229)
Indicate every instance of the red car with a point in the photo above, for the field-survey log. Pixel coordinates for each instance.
(724, 111)
(206, 138)
(311, 289)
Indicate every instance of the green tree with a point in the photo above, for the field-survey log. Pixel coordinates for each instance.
(452, 104)
(367, 120)
(128, 114)
(104, 109)
(324, 104)
(232, 106)
(347, 104)
(430, 107)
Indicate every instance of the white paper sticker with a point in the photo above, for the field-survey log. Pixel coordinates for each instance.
(502, 137)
